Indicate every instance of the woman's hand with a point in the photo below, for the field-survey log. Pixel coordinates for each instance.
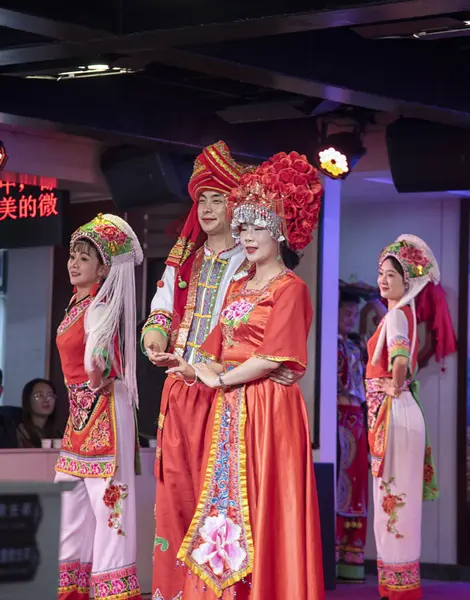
(95, 376)
(389, 388)
(207, 375)
(285, 376)
(178, 366)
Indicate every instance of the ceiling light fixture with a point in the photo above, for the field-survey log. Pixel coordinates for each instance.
(97, 67)
(338, 154)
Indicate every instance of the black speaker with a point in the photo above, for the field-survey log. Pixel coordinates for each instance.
(137, 177)
(428, 157)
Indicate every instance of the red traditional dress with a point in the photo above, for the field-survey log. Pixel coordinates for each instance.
(256, 530)
(185, 309)
(98, 520)
(353, 465)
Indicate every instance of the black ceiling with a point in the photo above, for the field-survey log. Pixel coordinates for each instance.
(254, 73)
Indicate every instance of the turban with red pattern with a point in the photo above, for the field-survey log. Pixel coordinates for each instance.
(214, 170)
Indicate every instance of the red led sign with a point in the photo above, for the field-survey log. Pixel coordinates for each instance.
(16, 204)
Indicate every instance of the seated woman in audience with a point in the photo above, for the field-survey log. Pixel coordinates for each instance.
(39, 414)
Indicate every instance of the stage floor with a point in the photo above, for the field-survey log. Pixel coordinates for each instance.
(432, 590)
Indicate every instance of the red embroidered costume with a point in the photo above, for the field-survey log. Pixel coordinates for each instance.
(98, 524)
(185, 309)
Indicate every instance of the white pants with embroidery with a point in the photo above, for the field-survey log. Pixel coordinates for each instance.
(398, 502)
(87, 540)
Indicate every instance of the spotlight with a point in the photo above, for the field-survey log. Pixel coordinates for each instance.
(339, 153)
(3, 156)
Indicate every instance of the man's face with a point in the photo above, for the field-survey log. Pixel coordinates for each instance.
(212, 213)
(347, 317)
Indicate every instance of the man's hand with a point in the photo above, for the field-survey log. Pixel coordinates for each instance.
(161, 359)
(155, 344)
(284, 376)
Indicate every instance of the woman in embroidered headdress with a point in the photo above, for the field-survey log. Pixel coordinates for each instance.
(402, 463)
(96, 342)
(256, 531)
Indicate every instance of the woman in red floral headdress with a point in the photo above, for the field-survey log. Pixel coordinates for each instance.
(256, 530)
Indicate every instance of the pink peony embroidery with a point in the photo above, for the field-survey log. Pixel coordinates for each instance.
(110, 233)
(66, 579)
(132, 583)
(159, 319)
(237, 312)
(221, 547)
(118, 586)
(102, 590)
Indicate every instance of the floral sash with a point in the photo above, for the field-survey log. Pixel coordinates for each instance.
(218, 547)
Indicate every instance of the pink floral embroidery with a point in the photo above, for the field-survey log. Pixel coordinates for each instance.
(113, 497)
(117, 585)
(101, 589)
(85, 467)
(74, 314)
(68, 573)
(221, 546)
(390, 504)
(400, 578)
(237, 312)
(414, 256)
(111, 234)
(80, 404)
(83, 577)
(159, 319)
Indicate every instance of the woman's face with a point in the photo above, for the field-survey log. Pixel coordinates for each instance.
(42, 399)
(84, 266)
(258, 244)
(390, 281)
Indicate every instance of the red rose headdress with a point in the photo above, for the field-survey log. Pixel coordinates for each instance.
(283, 195)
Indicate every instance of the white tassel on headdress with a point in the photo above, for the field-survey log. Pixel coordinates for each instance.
(115, 306)
(415, 286)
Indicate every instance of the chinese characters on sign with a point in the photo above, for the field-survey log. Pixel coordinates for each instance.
(20, 516)
(17, 203)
